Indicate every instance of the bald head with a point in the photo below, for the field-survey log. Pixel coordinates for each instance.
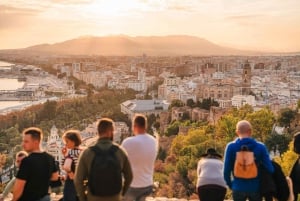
(243, 128)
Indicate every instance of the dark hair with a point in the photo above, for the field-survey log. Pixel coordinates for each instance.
(73, 135)
(35, 133)
(140, 121)
(104, 125)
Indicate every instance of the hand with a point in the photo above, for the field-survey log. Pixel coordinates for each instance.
(71, 175)
(64, 151)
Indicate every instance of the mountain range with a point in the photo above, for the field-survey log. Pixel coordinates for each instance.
(123, 45)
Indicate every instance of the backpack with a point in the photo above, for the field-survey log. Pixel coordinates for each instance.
(244, 165)
(105, 177)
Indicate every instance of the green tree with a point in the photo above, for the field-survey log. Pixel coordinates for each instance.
(262, 122)
(207, 103)
(190, 102)
(278, 141)
(176, 103)
(286, 116)
(226, 126)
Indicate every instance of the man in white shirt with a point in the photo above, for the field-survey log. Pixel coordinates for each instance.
(142, 151)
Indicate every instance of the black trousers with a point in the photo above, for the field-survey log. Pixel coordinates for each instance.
(211, 193)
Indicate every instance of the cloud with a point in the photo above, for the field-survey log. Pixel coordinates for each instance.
(14, 17)
(244, 17)
(9, 10)
(70, 2)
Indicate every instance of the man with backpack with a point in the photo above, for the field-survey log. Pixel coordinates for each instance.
(243, 159)
(104, 166)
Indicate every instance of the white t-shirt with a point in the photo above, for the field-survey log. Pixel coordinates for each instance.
(142, 151)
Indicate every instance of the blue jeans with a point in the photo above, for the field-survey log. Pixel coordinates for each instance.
(69, 191)
(138, 194)
(242, 196)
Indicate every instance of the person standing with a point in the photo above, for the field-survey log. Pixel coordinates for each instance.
(36, 170)
(245, 188)
(9, 187)
(210, 183)
(142, 150)
(72, 140)
(103, 166)
(295, 172)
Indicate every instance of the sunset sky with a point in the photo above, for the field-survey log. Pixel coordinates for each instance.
(272, 25)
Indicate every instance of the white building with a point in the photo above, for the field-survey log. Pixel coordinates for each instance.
(55, 144)
(145, 107)
(218, 75)
(241, 100)
(121, 130)
(137, 85)
(76, 67)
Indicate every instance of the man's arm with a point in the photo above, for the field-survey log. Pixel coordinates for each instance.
(228, 165)
(266, 161)
(128, 176)
(9, 187)
(18, 189)
(54, 176)
(81, 175)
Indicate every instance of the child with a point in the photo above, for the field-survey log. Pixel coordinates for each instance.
(72, 141)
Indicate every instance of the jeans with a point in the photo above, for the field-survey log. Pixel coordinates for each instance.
(242, 196)
(69, 191)
(211, 193)
(138, 194)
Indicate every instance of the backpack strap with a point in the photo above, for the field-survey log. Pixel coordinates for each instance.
(113, 148)
(97, 150)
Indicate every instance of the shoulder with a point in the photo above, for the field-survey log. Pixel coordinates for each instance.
(230, 146)
(128, 140)
(49, 156)
(87, 151)
(261, 146)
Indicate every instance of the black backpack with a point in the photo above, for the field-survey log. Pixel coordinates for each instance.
(105, 178)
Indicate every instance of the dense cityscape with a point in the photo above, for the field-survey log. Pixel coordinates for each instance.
(161, 100)
(169, 89)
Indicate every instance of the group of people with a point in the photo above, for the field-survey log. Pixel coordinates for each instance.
(103, 171)
(254, 178)
(112, 172)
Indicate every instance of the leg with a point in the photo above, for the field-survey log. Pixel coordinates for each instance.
(255, 197)
(204, 193)
(69, 191)
(211, 193)
(239, 196)
(130, 195)
(144, 192)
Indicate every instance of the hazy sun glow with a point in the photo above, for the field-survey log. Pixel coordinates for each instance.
(269, 24)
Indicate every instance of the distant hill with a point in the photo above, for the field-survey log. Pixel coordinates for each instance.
(132, 46)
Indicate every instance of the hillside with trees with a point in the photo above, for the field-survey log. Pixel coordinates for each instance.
(175, 169)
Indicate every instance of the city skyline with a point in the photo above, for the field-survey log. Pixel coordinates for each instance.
(270, 25)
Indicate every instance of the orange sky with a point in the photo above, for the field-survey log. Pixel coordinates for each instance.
(272, 25)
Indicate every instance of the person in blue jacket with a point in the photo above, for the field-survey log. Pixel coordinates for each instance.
(244, 189)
